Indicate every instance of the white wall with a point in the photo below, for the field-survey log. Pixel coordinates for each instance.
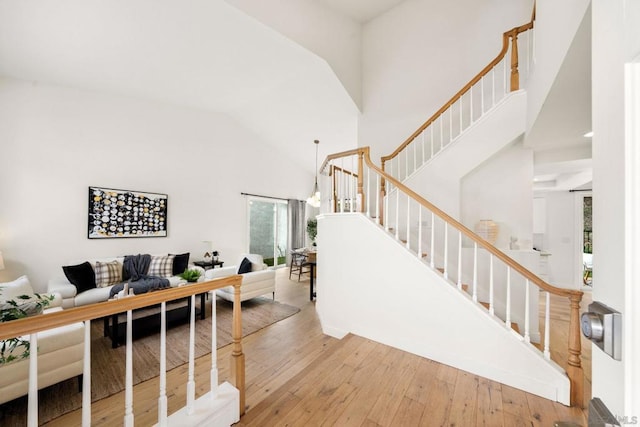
(56, 142)
(312, 24)
(501, 189)
(555, 27)
(616, 40)
(401, 302)
(419, 54)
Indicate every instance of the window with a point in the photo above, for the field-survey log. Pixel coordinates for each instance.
(268, 230)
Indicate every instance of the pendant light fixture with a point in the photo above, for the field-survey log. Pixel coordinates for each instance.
(314, 198)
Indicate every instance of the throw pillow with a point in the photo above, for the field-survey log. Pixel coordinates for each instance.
(245, 266)
(108, 273)
(81, 276)
(12, 290)
(180, 263)
(161, 266)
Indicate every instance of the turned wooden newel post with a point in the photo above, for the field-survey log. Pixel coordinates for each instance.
(515, 76)
(361, 181)
(574, 365)
(383, 192)
(237, 356)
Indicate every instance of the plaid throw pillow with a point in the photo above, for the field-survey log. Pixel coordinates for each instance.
(161, 266)
(108, 273)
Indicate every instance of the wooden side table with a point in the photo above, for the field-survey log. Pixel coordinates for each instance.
(208, 264)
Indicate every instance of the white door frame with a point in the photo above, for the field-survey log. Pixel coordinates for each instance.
(631, 322)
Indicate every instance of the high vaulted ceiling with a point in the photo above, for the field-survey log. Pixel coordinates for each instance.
(362, 10)
(200, 54)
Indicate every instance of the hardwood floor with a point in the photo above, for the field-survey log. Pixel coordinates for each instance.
(296, 376)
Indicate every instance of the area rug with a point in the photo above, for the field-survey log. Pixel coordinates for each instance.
(108, 365)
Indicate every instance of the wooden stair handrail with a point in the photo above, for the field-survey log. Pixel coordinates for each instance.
(513, 33)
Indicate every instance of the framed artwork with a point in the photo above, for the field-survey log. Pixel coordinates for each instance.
(122, 213)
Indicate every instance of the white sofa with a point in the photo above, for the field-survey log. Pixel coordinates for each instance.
(60, 350)
(259, 281)
(72, 298)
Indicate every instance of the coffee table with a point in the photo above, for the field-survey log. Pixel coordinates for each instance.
(146, 320)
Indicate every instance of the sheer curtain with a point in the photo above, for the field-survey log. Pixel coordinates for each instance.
(297, 226)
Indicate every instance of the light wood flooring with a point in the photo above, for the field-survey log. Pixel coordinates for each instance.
(296, 376)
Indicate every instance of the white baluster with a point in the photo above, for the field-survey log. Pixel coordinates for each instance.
(368, 198)
(423, 147)
(32, 399)
(493, 86)
(460, 260)
(408, 244)
(86, 376)
(475, 272)
(398, 214)
(431, 127)
(451, 123)
(128, 387)
(481, 95)
(214, 347)
(470, 105)
(527, 336)
(341, 191)
(419, 231)
(528, 51)
(432, 255)
(491, 311)
(386, 209)
(508, 315)
(441, 119)
(415, 155)
(461, 102)
(162, 398)
(446, 251)
(378, 189)
(406, 162)
(506, 79)
(191, 383)
(353, 190)
(547, 326)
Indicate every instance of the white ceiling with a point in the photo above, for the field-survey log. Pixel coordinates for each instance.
(362, 10)
(202, 54)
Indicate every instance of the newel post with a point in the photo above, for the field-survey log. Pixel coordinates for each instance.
(361, 181)
(237, 356)
(334, 189)
(574, 364)
(383, 191)
(515, 75)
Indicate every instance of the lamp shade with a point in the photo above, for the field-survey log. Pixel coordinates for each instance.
(1, 262)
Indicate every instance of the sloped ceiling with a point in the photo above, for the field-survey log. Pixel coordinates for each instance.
(201, 54)
(362, 10)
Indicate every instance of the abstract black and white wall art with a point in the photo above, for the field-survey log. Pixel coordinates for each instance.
(122, 213)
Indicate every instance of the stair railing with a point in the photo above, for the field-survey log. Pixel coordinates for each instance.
(486, 90)
(456, 252)
(30, 327)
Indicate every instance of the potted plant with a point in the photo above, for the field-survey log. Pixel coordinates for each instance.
(312, 230)
(11, 310)
(191, 275)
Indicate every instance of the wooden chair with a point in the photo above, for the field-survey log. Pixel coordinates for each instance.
(299, 264)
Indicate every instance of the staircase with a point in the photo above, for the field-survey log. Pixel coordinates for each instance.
(435, 275)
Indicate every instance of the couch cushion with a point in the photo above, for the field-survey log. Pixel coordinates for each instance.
(108, 273)
(161, 266)
(245, 266)
(92, 296)
(180, 263)
(16, 288)
(81, 276)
